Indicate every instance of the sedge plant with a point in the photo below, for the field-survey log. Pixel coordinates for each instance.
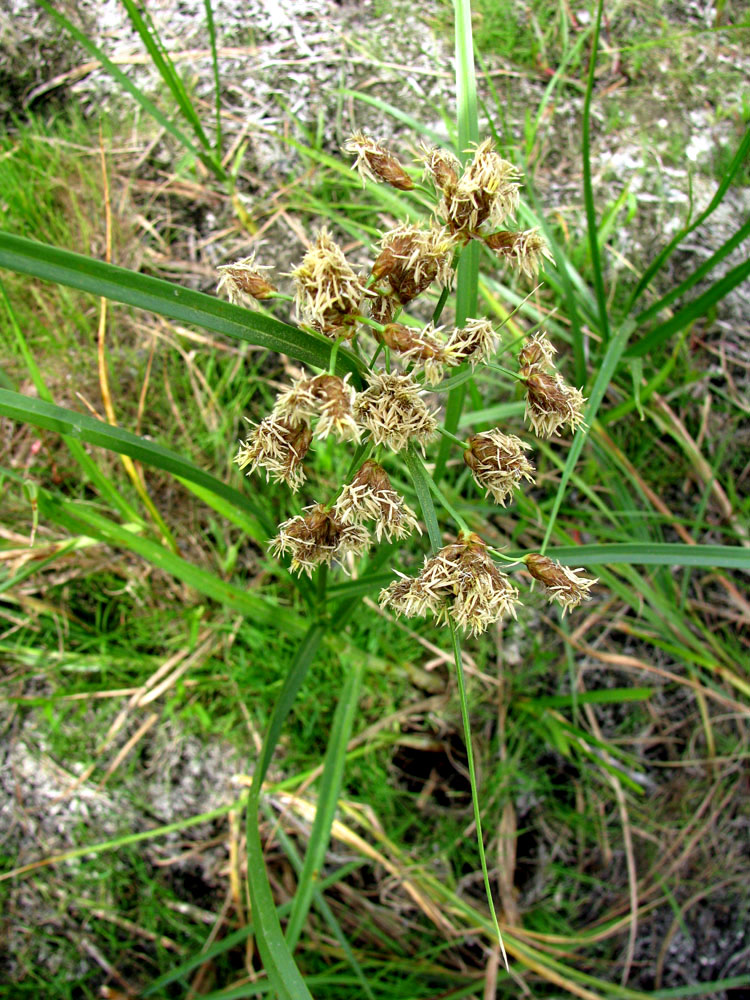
(376, 374)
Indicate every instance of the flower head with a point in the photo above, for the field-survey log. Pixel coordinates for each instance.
(526, 250)
(442, 166)
(328, 397)
(328, 292)
(551, 403)
(391, 409)
(412, 258)
(461, 583)
(318, 537)
(536, 355)
(243, 281)
(370, 497)
(376, 163)
(421, 346)
(278, 446)
(498, 463)
(560, 583)
(476, 342)
(486, 191)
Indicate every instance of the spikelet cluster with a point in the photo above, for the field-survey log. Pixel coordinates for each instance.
(393, 411)
(389, 408)
(550, 402)
(316, 538)
(371, 498)
(561, 584)
(460, 583)
(278, 446)
(498, 463)
(329, 292)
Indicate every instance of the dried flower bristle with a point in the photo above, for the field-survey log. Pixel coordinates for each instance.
(487, 191)
(498, 463)
(328, 292)
(476, 342)
(335, 398)
(328, 397)
(460, 583)
(421, 346)
(392, 410)
(278, 446)
(536, 355)
(318, 537)
(526, 249)
(560, 583)
(370, 497)
(383, 309)
(442, 166)
(376, 163)
(412, 258)
(243, 281)
(551, 403)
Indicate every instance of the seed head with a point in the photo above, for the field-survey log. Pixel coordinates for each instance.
(328, 292)
(422, 346)
(498, 463)
(536, 355)
(325, 396)
(278, 446)
(382, 308)
(412, 258)
(443, 167)
(560, 583)
(318, 537)
(526, 249)
(370, 497)
(476, 342)
(391, 409)
(460, 582)
(487, 191)
(376, 163)
(243, 281)
(551, 403)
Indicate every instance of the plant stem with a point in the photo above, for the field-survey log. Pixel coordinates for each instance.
(452, 437)
(473, 781)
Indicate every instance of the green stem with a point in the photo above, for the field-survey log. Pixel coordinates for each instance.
(334, 355)
(368, 321)
(505, 371)
(452, 437)
(473, 781)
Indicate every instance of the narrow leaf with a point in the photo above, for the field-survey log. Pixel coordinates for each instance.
(166, 299)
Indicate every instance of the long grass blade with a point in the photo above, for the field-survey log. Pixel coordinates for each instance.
(467, 272)
(145, 28)
(424, 495)
(156, 295)
(695, 309)
(80, 519)
(588, 190)
(328, 795)
(277, 957)
(135, 92)
(473, 781)
(607, 369)
(90, 469)
(698, 275)
(210, 25)
(82, 427)
(654, 554)
(738, 161)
